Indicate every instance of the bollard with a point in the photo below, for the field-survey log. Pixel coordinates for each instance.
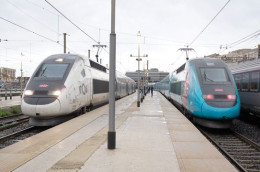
(11, 94)
(5, 93)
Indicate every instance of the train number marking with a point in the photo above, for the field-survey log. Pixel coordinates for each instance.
(83, 89)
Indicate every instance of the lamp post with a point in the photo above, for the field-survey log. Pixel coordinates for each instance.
(138, 59)
(21, 84)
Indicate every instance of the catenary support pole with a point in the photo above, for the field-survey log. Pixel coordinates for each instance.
(64, 38)
(111, 140)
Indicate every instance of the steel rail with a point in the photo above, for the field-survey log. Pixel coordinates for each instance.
(230, 158)
(15, 134)
(11, 124)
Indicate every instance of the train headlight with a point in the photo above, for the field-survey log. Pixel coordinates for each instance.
(55, 93)
(28, 92)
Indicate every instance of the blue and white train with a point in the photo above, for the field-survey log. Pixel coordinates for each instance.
(67, 83)
(204, 89)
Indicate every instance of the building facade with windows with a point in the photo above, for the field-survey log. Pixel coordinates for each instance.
(152, 75)
(7, 74)
(237, 56)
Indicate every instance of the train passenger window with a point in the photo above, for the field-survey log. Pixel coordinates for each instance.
(245, 81)
(52, 70)
(214, 75)
(83, 74)
(254, 84)
(238, 80)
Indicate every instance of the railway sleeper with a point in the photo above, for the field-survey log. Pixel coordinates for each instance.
(246, 157)
(243, 153)
(250, 149)
(233, 144)
(237, 148)
(249, 161)
(250, 166)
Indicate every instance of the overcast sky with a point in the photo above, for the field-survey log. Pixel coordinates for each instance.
(165, 26)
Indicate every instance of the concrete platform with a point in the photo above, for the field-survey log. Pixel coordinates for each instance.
(154, 137)
(15, 101)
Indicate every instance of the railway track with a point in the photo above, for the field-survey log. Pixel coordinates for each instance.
(11, 121)
(243, 153)
(19, 135)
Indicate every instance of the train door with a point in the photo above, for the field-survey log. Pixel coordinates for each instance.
(185, 89)
(89, 86)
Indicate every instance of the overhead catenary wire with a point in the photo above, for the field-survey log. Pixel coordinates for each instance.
(97, 27)
(71, 22)
(208, 24)
(33, 32)
(28, 30)
(242, 40)
(25, 13)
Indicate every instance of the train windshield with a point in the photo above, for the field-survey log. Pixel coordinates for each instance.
(52, 70)
(214, 75)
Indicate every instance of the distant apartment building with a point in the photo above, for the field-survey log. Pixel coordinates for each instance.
(240, 55)
(7, 74)
(153, 75)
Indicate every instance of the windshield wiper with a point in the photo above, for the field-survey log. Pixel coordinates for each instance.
(207, 78)
(42, 74)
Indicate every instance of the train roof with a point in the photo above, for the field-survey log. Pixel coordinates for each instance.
(63, 56)
(246, 66)
(202, 62)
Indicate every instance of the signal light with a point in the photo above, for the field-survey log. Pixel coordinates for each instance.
(231, 97)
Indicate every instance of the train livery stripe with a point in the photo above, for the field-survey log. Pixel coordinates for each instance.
(100, 86)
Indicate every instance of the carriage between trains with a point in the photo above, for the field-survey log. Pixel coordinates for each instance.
(204, 89)
(67, 83)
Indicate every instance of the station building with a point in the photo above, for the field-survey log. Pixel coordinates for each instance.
(153, 75)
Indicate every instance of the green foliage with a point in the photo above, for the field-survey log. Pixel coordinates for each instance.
(16, 110)
(6, 125)
(4, 112)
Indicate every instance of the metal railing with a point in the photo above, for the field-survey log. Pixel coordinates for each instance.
(9, 92)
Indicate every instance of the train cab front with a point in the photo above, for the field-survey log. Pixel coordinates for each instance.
(220, 99)
(44, 93)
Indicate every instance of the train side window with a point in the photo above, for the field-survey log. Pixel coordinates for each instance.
(83, 73)
(245, 81)
(238, 81)
(254, 84)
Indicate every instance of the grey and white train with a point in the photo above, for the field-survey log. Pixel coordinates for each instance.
(67, 83)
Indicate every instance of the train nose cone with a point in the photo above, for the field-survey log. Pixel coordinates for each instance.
(48, 109)
(220, 113)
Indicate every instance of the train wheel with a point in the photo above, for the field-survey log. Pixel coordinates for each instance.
(84, 110)
(88, 108)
